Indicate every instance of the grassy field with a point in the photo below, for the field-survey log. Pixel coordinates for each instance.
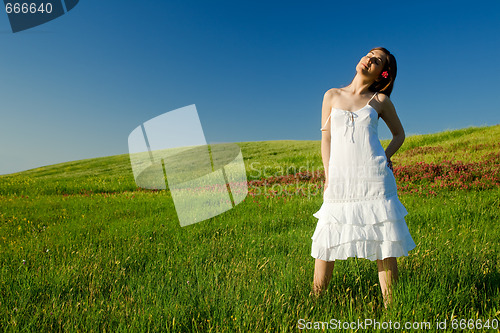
(83, 249)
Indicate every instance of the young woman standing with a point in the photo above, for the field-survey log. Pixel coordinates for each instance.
(361, 215)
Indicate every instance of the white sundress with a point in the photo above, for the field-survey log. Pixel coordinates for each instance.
(361, 215)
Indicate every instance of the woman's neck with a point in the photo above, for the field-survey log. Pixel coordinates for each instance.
(359, 85)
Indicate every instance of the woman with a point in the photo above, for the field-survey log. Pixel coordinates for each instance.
(361, 215)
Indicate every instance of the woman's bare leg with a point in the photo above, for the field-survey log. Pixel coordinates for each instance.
(388, 277)
(322, 275)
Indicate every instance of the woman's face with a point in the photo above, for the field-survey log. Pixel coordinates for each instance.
(372, 63)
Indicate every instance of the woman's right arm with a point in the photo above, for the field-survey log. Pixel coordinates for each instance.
(325, 132)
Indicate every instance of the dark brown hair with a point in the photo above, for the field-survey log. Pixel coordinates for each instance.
(385, 85)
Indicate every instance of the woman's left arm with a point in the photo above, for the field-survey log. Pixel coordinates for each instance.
(388, 113)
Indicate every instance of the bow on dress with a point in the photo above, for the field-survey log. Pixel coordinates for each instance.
(349, 122)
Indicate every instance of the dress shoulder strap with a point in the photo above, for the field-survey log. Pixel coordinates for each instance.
(323, 128)
(372, 98)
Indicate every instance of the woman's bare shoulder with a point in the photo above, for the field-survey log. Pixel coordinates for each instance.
(385, 105)
(332, 93)
(383, 98)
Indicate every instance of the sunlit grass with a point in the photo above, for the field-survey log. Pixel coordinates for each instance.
(81, 248)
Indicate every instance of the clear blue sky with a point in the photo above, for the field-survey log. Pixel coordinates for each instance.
(75, 87)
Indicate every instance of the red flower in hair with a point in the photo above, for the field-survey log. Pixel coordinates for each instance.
(385, 74)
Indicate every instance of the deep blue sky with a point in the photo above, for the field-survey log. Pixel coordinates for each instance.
(75, 87)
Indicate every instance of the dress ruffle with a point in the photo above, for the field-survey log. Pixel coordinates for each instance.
(362, 212)
(371, 229)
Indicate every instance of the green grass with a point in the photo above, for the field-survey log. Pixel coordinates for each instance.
(81, 249)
